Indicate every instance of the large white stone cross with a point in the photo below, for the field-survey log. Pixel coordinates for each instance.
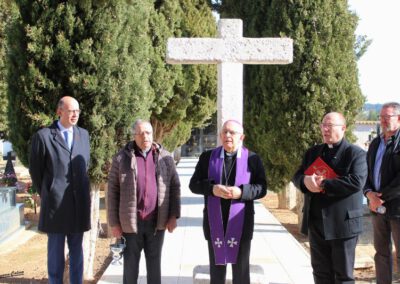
(230, 51)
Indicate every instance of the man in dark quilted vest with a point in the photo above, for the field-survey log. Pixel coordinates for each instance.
(143, 201)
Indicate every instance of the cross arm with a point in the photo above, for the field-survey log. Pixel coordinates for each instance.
(193, 50)
(240, 50)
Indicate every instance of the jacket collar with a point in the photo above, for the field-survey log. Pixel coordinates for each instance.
(393, 140)
(57, 136)
(131, 147)
(341, 146)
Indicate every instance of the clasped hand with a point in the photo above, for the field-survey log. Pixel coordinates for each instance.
(313, 183)
(227, 192)
(374, 200)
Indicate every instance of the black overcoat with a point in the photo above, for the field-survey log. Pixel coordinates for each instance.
(61, 178)
(342, 206)
(257, 188)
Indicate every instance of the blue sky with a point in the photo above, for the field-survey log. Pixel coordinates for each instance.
(379, 74)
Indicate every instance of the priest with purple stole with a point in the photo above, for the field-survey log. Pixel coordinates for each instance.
(230, 177)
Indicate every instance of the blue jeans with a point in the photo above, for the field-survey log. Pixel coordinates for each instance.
(149, 240)
(56, 260)
(384, 230)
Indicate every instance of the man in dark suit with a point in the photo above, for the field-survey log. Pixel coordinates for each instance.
(230, 177)
(58, 166)
(332, 213)
(383, 191)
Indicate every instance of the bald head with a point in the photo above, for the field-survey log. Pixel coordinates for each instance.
(336, 116)
(66, 100)
(68, 111)
(333, 127)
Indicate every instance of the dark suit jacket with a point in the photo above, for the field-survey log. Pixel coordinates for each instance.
(390, 173)
(257, 188)
(60, 176)
(342, 200)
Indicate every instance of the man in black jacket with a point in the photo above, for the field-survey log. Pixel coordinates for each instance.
(230, 177)
(332, 214)
(383, 191)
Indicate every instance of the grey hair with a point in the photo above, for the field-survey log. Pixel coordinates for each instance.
(236, 122)
(137, 122)
(60, 103)
(394, 105)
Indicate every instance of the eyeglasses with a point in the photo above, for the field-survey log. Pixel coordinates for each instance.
(231, 132)
(387, 116)
(73, 111)
(144, 133)
(329, 125)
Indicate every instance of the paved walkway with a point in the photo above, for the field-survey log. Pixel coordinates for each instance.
(283, 259)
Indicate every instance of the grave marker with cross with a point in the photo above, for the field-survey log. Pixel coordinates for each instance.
(230, 51)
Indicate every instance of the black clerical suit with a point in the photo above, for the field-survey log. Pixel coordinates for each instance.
(333, 218)
(257, 188)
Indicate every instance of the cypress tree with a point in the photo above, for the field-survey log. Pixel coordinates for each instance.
(95, 51)
(185, 94)
(5, 15)
(110, 56)
(283, 105)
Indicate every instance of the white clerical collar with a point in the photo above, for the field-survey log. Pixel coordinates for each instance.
(330, 146)
(239, 152)
(62, 128)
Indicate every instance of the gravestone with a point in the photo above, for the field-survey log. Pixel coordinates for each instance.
(230, 51)
(9, 169)
(11, 213)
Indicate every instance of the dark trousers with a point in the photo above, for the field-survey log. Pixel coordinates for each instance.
(384, 230)
(240, 270)
(332, 260)
(56, 259)
(149, 240)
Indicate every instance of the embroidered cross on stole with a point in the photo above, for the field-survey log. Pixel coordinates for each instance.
(226, 246)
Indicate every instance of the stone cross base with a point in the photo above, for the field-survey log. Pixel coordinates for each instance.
(201, 274)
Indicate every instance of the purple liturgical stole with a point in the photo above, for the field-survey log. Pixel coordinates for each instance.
(226, 246)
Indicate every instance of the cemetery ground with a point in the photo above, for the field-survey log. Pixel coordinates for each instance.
(30, 258)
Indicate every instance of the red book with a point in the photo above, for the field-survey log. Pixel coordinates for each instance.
(319, 167)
